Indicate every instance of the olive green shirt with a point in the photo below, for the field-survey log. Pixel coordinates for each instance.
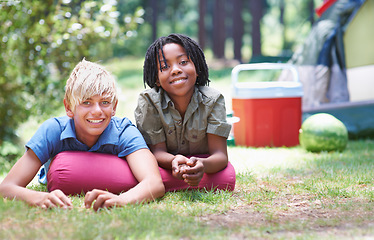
(159, 121)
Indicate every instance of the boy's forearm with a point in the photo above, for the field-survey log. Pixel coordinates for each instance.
(29, 196)
(164, 159)
(147, 190)
(215, 162)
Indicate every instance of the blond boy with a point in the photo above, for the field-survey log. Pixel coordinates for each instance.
(89, 127)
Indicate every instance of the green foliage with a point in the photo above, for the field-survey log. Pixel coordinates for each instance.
(41, 41)
(9, 153)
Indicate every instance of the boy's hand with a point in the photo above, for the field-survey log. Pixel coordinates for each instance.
(179, 166)
(54, 199)
(194, 173)
(102, 199)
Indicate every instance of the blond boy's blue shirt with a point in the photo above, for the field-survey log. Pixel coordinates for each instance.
(56, 135)
(159, 121)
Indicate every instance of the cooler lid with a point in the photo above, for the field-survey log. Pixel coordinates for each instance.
(276, 89)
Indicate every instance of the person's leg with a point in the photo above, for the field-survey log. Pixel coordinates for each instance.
(80, 172)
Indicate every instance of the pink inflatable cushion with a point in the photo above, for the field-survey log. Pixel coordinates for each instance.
(79, 172)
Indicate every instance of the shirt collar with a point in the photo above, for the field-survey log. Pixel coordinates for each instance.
(69, 131)
(109, 136)
(194, 104)
(166, 100)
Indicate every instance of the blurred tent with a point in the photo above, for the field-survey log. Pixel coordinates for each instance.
(336, 65)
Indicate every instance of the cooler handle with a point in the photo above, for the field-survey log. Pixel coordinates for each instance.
(263, 66)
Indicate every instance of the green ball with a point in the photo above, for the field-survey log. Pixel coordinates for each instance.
(323, 132)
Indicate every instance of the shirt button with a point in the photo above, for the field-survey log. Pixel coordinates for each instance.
(170, 132)
(183, 142)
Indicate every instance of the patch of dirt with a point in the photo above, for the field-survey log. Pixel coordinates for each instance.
(293, 215)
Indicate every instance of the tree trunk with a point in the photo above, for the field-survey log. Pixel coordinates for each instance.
(154, 7)
(219, 29)
(256, 8)
(282, 23)
(312, 11)
(202, 29)
(238, 28)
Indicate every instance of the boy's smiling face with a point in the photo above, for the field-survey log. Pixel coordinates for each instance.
(177, 73)
(91, 117)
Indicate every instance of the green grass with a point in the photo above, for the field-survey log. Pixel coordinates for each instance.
(281, 193)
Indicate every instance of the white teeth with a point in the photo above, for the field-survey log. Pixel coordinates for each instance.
(95, 121)
(178, 81)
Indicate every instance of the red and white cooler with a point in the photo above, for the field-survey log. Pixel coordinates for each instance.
(270, 111)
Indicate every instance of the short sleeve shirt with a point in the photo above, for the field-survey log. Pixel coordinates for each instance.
(56, 135)
(159, 121)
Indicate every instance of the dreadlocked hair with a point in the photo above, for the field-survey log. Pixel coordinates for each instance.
(194, 52)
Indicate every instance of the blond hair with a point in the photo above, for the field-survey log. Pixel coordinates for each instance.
(87, 80)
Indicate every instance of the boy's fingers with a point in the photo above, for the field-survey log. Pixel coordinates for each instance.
(192, 182)
(175, 168)
(193, 176)
(193, 179)
(192, 161)
(101, 201)
(89, 198)
(57, 199)
(196, 168)
(65, 199)
(177, 161)
(99, 196)
(47, 204)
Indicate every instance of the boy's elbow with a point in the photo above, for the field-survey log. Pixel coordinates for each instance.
(223, 160)
(157, 186)
(160, 188)
(5, 188)
(1, 190)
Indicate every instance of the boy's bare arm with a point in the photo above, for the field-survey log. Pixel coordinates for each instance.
(144, 167)
(169, 161)
(164, 158)
(217, 159)
(21, 174)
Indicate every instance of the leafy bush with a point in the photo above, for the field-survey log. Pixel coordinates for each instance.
(9, 153)
(41, 41)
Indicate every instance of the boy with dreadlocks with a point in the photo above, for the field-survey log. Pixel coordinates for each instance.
(182, 119)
